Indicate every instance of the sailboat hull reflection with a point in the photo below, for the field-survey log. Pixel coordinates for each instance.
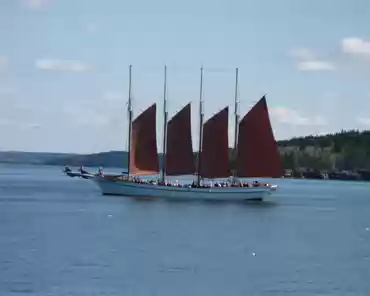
(132, 189)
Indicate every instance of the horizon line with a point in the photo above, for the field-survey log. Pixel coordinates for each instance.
(108, 151)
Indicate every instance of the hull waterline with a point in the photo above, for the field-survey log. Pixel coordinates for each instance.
(80, 175)
(143, 190)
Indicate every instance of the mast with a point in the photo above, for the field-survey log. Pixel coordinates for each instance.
(129, 111)
(201, 115)
(236, 114)
(165, 114)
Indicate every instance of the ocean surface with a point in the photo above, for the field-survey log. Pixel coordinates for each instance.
(59, 236)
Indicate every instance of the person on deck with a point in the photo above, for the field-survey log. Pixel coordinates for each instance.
(100, 172)
(82, 171)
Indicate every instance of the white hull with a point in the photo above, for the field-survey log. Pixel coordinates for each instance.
(132, 189)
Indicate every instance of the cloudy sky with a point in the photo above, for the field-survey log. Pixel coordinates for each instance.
(64, 65)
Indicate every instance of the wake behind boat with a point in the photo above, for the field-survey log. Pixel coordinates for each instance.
(256, 155)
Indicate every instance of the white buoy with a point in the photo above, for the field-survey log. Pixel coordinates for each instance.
(253, 254)
(110, 216)
(367, 228)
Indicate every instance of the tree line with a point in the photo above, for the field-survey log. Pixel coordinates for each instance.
(346, 150)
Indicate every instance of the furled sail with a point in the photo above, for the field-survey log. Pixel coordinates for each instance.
(144, 153)
(179, 151)
(215, 149)
(257, 153)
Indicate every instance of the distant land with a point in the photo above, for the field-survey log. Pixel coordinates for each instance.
(343, 151)
(17, 157)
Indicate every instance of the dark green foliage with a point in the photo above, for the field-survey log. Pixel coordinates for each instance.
(346, 150)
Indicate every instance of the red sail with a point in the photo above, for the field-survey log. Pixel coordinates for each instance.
(179, 154)
(258, 154)
(144, 154)
(214, 160)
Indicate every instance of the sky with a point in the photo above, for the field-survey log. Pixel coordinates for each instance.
(64, 66)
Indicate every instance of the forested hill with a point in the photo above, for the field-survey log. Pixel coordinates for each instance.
(347, 150)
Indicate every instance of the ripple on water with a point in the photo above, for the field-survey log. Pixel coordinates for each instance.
(57, 238)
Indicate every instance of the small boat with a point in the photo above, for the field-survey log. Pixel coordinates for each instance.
(73, 174)
(255, 151)
(81, 173)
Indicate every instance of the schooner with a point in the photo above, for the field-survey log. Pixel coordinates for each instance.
(255, 148)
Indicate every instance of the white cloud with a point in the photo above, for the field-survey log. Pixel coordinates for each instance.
(62, 65)
(96, 120)
(7, 90)
(29, 125)
(308, 61)
(113, 96)
(4, 121)
(293, 117)
(17, 124)
(303, 54)
(315, 66)
(364, 121)
(4, 63)
(36, 4)
(356, 46)
(329, 94)
(86, 116)
(318, 121)
(91, 28)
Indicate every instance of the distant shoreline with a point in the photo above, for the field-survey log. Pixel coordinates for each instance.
(340, 156)
(289, 174)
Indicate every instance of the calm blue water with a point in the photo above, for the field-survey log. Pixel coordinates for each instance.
(59, 236)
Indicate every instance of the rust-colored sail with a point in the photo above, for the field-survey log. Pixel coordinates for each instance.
(214, 160)
(144, 153)
(258, 154)
(179, 154)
